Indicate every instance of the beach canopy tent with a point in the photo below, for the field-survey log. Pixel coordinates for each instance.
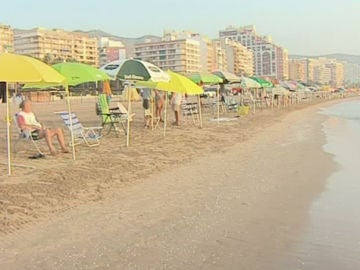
(133, 70)
(227, 77)
(263, 83)
(23, 69)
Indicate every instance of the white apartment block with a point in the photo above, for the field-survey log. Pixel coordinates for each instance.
(270, 60)
(6, 39)
(57, 44)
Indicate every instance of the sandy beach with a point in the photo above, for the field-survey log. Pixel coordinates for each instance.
(232, 195)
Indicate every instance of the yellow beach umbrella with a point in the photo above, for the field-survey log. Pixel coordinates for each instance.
(23, 69)
(179, 84)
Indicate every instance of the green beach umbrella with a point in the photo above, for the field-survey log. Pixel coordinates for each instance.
(206, 78)
(263, 83)
(138, 70)
(77, 73)
(227, 77)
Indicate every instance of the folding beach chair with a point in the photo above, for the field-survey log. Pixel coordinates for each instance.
(112, 119)
(124, 112)
(25, 135)
(190, 110)
(88, 135)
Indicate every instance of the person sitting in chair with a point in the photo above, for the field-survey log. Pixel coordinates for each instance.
(27, 121)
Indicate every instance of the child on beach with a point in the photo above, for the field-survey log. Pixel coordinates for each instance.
(146, 96)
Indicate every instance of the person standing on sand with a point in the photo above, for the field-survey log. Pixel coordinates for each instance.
(27, 121)
(175, 101)
(159, 104)
(146, 96)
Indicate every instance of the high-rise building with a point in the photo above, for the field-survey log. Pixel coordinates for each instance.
(178, 53)
(219, 56)
(110, 50)
(57, 45)
(298, 70)
(6, 38)
(270, 60)
(325, 71)
(239, 58)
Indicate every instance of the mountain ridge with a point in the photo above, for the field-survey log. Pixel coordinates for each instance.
(350, 58)
(129, 42)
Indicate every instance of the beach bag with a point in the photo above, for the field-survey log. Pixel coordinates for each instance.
(243, 110)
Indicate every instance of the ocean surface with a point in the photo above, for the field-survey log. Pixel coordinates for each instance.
(332, 239)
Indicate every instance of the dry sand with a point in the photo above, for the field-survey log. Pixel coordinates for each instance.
(232, 195)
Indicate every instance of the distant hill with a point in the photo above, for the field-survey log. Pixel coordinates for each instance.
(355, 59)
(125, 40)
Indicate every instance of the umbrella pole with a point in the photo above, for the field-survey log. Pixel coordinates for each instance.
(128, 118)
(218, 104)
(71, 123)
(200, 115)
(8, 129)
(165, 116)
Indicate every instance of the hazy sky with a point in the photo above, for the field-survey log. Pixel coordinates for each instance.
(309, 27)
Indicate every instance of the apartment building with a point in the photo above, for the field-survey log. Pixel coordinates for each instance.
(6, 39)
(219, 56)
(110, 50)
(57, 45)
(298, 70)
(177, 53)
(239, 58)
(270, 60)
(325, 71)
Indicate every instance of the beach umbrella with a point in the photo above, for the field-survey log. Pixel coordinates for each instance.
(249, 83)
(23, 69)
(227, 77)
(74, 73)
(179, 84)
(205, 78)
(138, 70)
(77, 73)
(133, 70)
(263, 83)
(208, 78)
(112, 68)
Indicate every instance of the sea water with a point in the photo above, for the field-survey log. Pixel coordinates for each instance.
(332, 239)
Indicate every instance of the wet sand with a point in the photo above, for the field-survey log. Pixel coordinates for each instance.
(233, 195)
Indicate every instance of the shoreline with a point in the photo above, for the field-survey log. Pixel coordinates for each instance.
(162, 191)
